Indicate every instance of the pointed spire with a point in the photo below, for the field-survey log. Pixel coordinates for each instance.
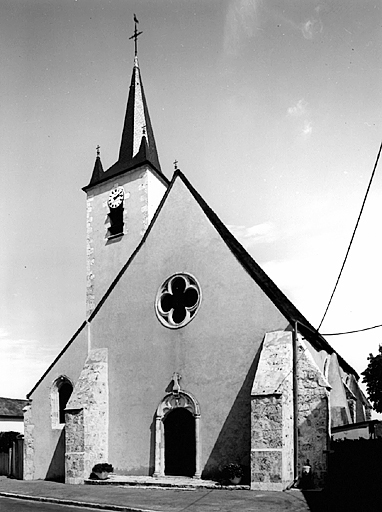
(98, 172)
(137, 143)
(137, 125)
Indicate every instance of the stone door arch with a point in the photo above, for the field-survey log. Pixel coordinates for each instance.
(169, 403)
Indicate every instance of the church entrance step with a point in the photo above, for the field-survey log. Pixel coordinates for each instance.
(164, 482)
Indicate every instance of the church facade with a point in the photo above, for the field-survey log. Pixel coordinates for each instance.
(190, 357)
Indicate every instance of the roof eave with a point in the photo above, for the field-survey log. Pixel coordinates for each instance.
(157, 172)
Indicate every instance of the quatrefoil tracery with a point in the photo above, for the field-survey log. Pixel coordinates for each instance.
(178, 300)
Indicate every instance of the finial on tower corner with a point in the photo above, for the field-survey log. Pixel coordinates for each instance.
(135, 35)
(98, 148)
(175, 165)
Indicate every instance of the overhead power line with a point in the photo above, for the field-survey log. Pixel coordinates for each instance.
(352, 332)
(352, 238)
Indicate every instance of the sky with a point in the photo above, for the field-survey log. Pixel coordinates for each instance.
(272, 109)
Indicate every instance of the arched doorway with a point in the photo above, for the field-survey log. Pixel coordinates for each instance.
(177, 436)
(179, 441)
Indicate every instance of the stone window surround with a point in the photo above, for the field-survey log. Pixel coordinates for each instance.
(191, 312)
(170, 402)
(55, 401)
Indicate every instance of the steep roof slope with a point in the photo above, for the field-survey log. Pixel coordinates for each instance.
(137, 143)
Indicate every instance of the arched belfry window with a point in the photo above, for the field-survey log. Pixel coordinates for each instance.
(61, 391)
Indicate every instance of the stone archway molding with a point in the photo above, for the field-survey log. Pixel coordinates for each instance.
(171, 401)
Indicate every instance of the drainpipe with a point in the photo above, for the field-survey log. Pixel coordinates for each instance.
(295, 401)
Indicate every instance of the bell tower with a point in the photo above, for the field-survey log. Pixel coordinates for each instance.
(122, 200)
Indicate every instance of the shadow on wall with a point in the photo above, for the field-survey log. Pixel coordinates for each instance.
(56, 470)
(152, 447)
(234, 441)
(313, 446)
(339, 416)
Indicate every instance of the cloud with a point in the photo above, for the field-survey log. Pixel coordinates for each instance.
(299, 109)
(24, 361)
(240, 24)
(259, 233)
(3, 332)
(311, 27)
(307, 130)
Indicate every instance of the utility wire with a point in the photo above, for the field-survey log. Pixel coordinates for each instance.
(352, 332)
(352, 238)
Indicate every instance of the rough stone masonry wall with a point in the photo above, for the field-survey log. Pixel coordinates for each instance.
(266, 460)
(86, 418)
(272, 415)
(313, 415)
(28, 444)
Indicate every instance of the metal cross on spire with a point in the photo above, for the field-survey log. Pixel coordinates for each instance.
(135, 35)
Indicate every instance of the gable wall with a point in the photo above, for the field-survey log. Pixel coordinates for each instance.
(214, 353)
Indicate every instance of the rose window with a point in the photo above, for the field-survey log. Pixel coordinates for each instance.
(178, 300)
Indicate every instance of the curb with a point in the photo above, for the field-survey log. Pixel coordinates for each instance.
(83, 504)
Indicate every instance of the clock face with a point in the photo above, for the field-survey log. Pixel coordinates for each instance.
(116, 197)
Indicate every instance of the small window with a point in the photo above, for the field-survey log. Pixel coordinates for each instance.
(116, 221)
(61, 391)
(64, 392)
(326, 367)
(115, 204)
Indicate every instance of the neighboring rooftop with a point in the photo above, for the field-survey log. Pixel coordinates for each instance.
(12, 407)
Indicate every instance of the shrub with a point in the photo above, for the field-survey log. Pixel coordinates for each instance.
(102, 467)
(231, 471)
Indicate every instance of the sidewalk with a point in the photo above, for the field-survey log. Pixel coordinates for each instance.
(136, 499)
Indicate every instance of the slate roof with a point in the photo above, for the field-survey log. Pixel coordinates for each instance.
(137, 130)
(12, 407)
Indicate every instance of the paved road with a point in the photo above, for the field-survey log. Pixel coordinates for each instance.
(16, 505)
(157, 499)
(195, 502)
